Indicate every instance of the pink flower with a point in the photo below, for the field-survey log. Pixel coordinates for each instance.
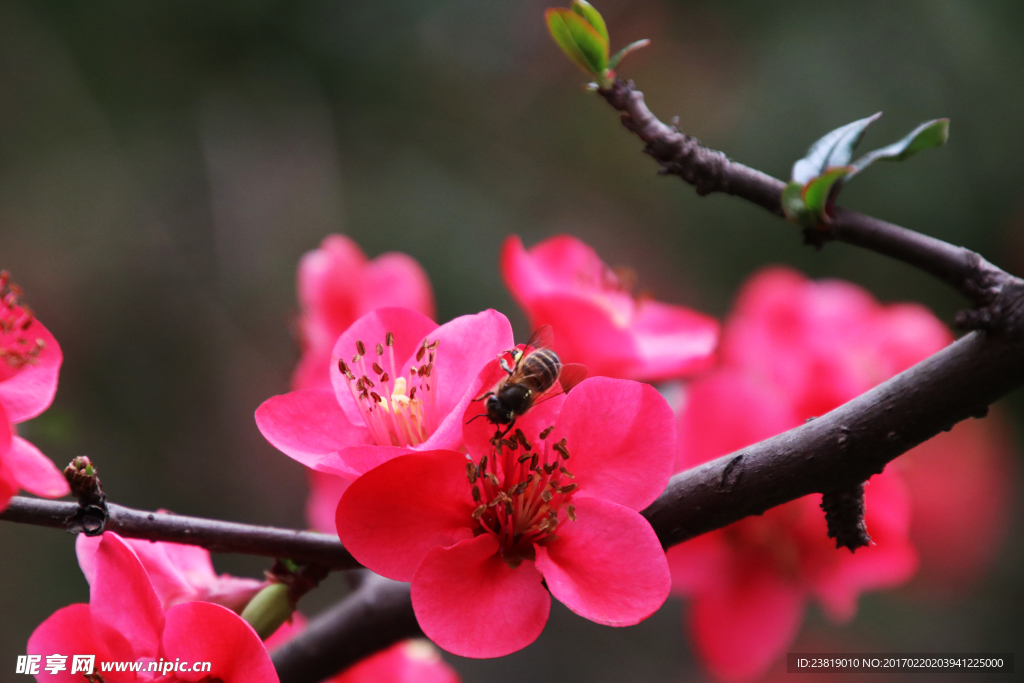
(179, 573)
(795, 349)
(29, 365)
(337, 286)
(596, 319)
(125, 622)
(483, 537)
(750, 583)
(961, 487)
(409, 661)
(400, 382)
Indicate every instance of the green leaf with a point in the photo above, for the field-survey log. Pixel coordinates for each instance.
(593, 17)
(578, 39)
(817, 192)
(794, 208)
(927, 135)
(626, 51)
(833, 149)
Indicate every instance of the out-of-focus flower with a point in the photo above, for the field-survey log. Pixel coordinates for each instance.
(29, 366)
(179, 573)
(400, 382)
(961, 491)
(554, 504)
(409, 661)
(124, 621)
(795, 349)
(750, 582)
(597, 320)
(337, 285)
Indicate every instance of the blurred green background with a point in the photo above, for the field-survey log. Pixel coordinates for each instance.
(163, 166)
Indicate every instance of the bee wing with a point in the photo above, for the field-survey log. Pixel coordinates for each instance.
(542, 338)
(571, 375)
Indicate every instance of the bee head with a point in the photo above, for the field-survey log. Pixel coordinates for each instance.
(497, 412)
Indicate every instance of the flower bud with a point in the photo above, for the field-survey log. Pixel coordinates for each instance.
(270, 608)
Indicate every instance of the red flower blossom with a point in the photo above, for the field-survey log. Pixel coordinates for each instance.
(400, 382)
(337, 285)
(597, 320)
(795, 349)
(409, 661)
(29, 365)
(125, 622)
(483, 537)
(179, 573)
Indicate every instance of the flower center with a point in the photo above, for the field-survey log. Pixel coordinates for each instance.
(17, 347)
(398, 411)
(519, 490)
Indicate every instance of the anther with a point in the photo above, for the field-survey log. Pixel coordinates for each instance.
(493, 479)
(389, 339)
(568, 488)
(562, 450)
(342, 367)
(520, 487)
(360, 348)
(566, 472)
(419, 354)
(471, 472)
(384, 378)
(550, 467)
(508, 508)
(479, 512)
(377, 368)
(434, 344)
(376, 396)
(525, 456)
(546, 496)
(476, 494)
(483, 464)
(380, 349)
(533, 462)
(547, 432)
(571, 511)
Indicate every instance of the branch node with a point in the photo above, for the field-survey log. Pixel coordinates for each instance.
(90, 518)
(844, 515)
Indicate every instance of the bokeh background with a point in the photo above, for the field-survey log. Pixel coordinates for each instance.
(163, 166)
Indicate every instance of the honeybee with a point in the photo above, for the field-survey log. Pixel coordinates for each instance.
(533, 374)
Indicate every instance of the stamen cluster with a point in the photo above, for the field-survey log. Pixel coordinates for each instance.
(16, 349)
(396, 410)
(520, 490)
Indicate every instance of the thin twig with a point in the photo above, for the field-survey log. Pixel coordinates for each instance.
(215, 535)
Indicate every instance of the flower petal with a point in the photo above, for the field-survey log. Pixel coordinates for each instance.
(30, 391)
(69, 631)
(672, 341)
(122, 598)
(622, 439)
(310, 427)
(408, 327)
(745, 622)
(471, 603)
(322, 504)
(467, 344)
(410, 661)
(204, 632)
(34, 471)
(698, 563)
(393, 515)
(607, 566)
(395, 279)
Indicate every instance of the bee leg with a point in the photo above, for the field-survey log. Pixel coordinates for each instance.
(475, 417)
(505, 366)
(507, 429)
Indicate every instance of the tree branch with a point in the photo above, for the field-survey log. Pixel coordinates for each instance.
(215, 535)
(997, 293)
(376, 615)
(834, 452)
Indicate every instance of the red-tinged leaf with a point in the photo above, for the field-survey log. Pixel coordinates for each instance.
(593, 17)
(578, 40)
(818, 194)
(926, 136)
(833, 149)
(794, 207)
(626, 51)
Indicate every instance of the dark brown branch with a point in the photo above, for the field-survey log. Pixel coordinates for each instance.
(376, 615)
(997, 294)
(844, 515)
(846, 446)
(215, 535)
